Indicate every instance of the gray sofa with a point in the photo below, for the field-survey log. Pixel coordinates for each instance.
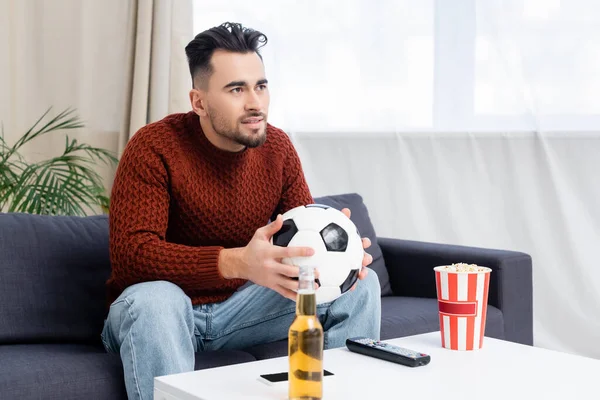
(52, 301)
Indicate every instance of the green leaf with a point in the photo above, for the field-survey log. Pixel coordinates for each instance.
(66, 184)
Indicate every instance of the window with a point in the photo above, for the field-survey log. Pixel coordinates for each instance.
(539, 60)
(403, 65)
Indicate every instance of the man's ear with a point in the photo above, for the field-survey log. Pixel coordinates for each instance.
(197, 100)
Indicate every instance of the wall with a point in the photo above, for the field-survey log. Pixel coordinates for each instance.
(521, 191)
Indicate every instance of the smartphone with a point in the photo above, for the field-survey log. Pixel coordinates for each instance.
(278, 377)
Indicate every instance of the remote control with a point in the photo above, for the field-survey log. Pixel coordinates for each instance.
(386, 351)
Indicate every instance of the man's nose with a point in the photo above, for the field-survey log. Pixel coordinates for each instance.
(253, 101)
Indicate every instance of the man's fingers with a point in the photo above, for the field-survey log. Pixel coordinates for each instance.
(363, 273)
(346, 211)
(285, 292)
(367, 259)
(290, 252)
(289, 284)
(271, 228)
(289, 271)
(366, 242)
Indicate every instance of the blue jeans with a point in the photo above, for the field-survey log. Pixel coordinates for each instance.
(156, 330)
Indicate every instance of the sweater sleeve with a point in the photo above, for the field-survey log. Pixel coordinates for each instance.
(139, 213)
(295, 191)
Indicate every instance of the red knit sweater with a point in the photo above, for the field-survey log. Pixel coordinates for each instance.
(177, 200)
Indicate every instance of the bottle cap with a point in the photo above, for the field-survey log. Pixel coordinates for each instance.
(307, 272)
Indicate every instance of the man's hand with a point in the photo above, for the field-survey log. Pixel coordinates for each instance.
(367, 259)
(260, 261)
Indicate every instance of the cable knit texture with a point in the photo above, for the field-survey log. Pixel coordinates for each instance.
(177, 201)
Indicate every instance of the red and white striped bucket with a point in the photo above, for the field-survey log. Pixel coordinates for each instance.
(462, 301)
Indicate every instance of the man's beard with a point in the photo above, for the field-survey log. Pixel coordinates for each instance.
(221, 127)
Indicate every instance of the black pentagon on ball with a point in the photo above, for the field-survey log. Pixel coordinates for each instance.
(335, 237)
(350, 281)
(285, 234)
(323, 206)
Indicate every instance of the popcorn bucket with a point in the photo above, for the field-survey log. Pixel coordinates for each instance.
(462, 292)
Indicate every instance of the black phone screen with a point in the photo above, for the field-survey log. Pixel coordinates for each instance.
(283, 376)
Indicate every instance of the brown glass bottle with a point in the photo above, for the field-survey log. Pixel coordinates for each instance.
(305, 343)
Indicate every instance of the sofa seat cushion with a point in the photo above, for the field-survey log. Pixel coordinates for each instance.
(407, 316)
(220, 358)
(73, 371)
(60, 371)
(269, 350)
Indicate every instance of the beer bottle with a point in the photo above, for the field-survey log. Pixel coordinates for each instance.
(305, 343)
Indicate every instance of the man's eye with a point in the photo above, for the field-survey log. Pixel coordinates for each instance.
(262, 87)
(236, 90)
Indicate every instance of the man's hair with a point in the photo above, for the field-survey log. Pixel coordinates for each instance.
(228, 36)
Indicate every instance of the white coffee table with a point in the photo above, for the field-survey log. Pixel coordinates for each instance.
(501, 370)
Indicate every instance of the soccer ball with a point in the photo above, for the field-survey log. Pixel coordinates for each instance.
(336, 241)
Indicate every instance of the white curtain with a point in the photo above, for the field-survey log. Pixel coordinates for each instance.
(525, 192)
(63, 54)
(158, 81)
(470, 122)
(120, 64)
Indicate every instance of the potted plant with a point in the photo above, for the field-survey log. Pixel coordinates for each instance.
(63, 185)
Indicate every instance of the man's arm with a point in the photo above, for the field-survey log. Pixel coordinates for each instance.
(139, 252)
(139, 215)
(295, 191)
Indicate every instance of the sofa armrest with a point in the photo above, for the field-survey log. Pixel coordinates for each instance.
(410, 266)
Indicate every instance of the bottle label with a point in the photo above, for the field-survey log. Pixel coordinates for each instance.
(315, 376)
(311, 343)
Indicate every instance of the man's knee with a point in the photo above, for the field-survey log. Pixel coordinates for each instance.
(153, 309)
(157, 298)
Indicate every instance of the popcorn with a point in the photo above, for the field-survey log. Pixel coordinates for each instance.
(463, 267)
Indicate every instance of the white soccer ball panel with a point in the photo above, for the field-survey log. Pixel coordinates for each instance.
(327, 294)
(334, 268)
(307, 239)
(309, 218)
(355, 252)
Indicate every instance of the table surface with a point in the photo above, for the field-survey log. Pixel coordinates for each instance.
(500, 370)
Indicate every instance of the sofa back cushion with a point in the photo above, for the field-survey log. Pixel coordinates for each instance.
(54, 269)
(360, 216)
(52, 277)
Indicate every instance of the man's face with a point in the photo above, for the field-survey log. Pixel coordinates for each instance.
(237, 98)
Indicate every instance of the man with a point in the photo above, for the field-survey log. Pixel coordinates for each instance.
(189, 205)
